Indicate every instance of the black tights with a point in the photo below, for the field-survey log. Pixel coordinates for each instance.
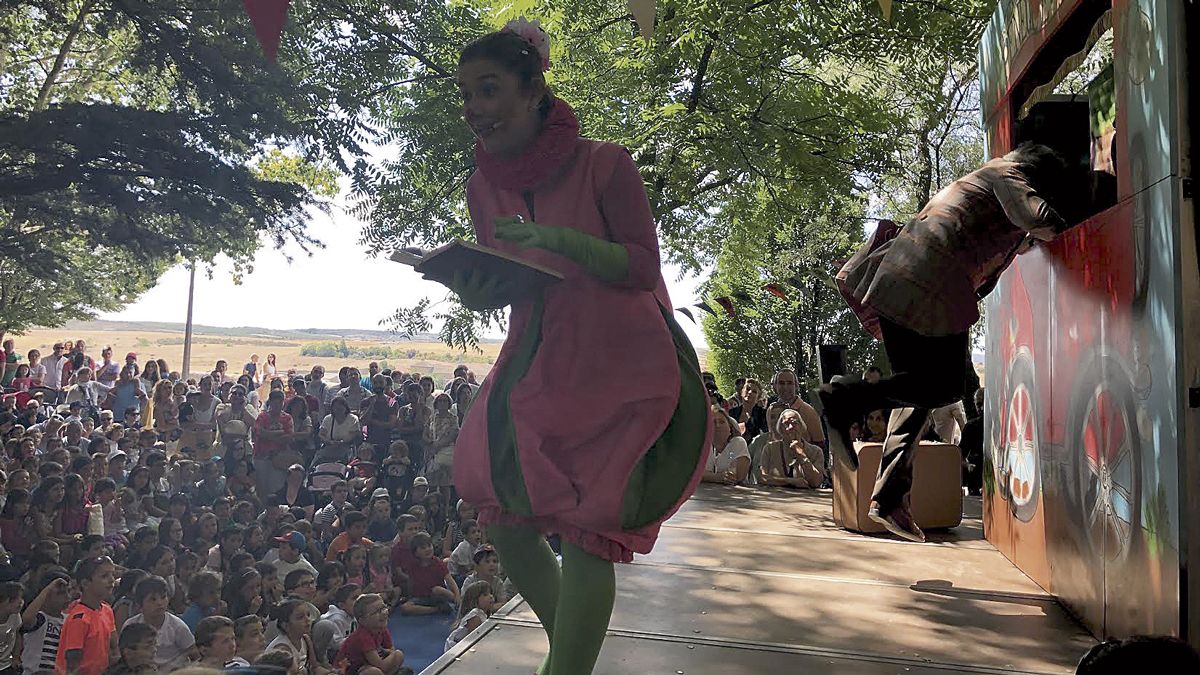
(927, 372)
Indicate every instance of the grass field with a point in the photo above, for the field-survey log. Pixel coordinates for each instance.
(427, 358)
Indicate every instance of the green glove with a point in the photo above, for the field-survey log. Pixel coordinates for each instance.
(478, 291)
(605, 260)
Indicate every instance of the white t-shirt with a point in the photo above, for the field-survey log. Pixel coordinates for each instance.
(283, 568)
(345, 431)
(462, 560)
(38, 372)
(41, 643)
(206, 416)
(54, 368)
(343, 625)
(464, 629)
(300, 655)
(174, 641)
(727, 458)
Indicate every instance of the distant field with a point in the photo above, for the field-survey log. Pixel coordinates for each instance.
(427, 358)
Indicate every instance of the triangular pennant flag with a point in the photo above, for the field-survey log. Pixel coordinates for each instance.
(727, 304)
(776, 290)
(267, 16)
(797, 283)
(686, 312)
(743, 297)
(643, 12)
(886, 6)
(706, 307)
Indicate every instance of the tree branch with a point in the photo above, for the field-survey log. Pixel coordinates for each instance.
(43, 97)
(392, 85)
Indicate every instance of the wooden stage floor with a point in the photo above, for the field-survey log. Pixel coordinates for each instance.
(748, 580)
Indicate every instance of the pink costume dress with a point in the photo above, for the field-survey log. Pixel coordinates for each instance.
(593, 422)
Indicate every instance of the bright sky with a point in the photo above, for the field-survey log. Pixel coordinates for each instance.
(267, 298)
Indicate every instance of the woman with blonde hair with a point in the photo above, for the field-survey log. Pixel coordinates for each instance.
(790, 461)
(749, 414)
(162, 414)
(728, 460)
(269, 372)
(440, 435)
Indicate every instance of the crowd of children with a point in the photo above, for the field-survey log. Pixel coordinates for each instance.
(263, 523)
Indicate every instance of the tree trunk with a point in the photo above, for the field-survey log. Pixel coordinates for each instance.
(798, 341)
(925, 174)
(812, 327)
(43, 98)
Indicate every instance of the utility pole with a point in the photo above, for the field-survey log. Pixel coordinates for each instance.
(187, 330)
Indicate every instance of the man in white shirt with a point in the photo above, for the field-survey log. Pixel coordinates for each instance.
(291, 555)
(54, 367)
(353, 392)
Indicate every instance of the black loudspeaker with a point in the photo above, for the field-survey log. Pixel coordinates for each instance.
(833, 361)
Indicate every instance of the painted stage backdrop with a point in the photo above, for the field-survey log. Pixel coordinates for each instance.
(1085, 395)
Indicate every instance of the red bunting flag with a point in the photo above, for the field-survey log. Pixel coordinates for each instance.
(727, 304)
(267, 16)
(777, 291)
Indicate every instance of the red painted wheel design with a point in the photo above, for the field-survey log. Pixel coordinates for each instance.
(1106, 452)
(1020, 471)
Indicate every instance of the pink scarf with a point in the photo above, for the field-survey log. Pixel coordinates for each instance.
(553, 148)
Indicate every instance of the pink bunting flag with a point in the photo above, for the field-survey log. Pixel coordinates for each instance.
(727, 304)
(267, 16)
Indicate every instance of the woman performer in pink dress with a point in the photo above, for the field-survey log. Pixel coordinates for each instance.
(558, 442)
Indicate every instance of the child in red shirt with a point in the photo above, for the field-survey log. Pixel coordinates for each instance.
(90, 628)
(368, 650)
(431, 587)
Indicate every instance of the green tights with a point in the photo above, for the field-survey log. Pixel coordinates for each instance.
(574, 604)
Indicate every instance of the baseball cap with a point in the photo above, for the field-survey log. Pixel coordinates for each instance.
(420, 480)
(380, 493)
(296, 540)
(131, 355)
(117, 453)
(482, 551)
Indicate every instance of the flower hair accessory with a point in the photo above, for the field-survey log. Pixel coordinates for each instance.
(532, 33)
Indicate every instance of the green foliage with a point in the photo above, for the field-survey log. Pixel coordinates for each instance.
(331, 349)
(770, 334)
(281, 167)
(744, 118)
(100, 280)
(157, 130)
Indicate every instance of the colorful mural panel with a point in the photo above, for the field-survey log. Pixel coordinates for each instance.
(1084, 387)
